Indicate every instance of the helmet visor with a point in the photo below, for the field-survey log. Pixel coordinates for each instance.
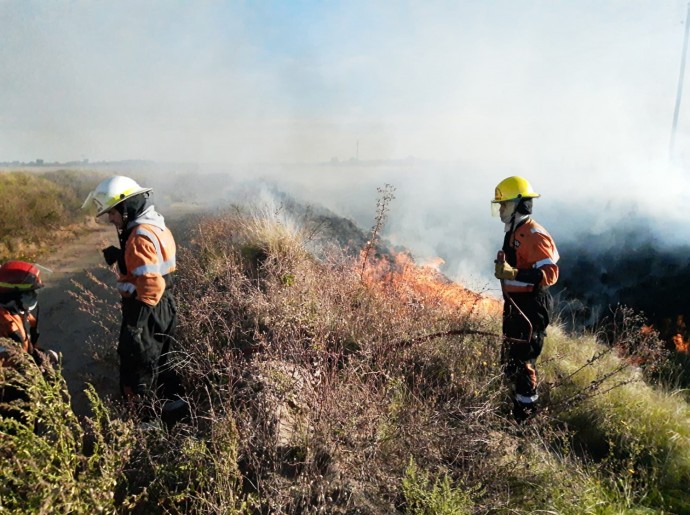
(505, 209)
(88, 202)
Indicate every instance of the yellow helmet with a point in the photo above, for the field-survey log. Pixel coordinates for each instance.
(111, 191)
(513, 188)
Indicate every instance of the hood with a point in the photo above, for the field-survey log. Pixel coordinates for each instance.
(150, 217)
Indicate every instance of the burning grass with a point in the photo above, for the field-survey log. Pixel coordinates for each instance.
(328, 382)
(341, 359)
(368, 399)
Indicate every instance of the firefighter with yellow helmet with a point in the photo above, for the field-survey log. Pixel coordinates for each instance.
(145, 263)
(527, 267)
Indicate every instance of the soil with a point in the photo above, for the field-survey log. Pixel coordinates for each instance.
(63, 324)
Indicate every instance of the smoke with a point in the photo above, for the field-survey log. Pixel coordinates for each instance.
(502, 83)
(331, 100)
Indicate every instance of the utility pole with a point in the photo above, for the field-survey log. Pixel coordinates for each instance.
(680, 85)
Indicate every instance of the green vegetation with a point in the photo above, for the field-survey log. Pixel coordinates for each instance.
(641, 433)
(440, 498)
(326, 382)
(50, 462)
(38, 210)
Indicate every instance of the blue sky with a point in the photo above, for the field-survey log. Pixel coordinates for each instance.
(304, 81)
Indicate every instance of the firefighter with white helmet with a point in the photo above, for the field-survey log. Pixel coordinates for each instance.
(111, 192)
(146, 263)
(527, 267)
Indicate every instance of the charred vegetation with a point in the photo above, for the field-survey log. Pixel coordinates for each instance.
(636, 274)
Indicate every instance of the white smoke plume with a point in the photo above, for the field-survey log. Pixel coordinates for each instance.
(440, 99)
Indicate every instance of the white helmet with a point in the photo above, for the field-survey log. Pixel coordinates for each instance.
(111, 191)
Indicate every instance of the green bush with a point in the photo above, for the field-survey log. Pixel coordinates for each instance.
(424, 496)
(639, 431)
(49, 461)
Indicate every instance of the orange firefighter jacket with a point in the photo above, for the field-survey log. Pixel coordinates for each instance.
(149, 255)
(12, 326)
(534, 248)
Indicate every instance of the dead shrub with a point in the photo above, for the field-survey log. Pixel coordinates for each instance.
(329, 373)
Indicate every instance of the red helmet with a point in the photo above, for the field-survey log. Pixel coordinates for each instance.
(19, 276)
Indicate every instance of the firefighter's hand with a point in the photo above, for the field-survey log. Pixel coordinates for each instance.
(111, 254)
(505, 271)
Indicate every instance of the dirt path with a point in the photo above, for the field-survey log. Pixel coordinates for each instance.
(69, 330)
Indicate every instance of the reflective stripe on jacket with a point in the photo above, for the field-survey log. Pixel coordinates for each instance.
(149, 255)
(534, 248)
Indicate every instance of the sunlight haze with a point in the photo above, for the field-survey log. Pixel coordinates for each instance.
(504, 82)
(576, 96)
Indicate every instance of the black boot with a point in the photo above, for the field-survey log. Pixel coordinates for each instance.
(523, 412)
(175, 411)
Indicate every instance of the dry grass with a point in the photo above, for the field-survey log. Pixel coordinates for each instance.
(323, 381)
(327, 372)
(39, 211)
(324, 367)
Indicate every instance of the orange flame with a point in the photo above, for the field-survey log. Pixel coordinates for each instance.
(681, 344)
(647, 329)
(434, 263)
(426, 285)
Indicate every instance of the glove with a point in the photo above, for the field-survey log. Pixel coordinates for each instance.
(505, 271)
(111, 254)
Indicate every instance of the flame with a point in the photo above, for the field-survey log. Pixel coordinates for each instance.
(434, 263)
(424, 284)
(681, 344)
(647, 329)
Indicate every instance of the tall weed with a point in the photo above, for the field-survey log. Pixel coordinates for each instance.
(51, 462)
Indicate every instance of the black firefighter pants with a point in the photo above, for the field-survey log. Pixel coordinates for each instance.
(519, 358)
(144, 348)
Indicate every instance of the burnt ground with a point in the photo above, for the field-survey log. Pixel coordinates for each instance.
(641, 276)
